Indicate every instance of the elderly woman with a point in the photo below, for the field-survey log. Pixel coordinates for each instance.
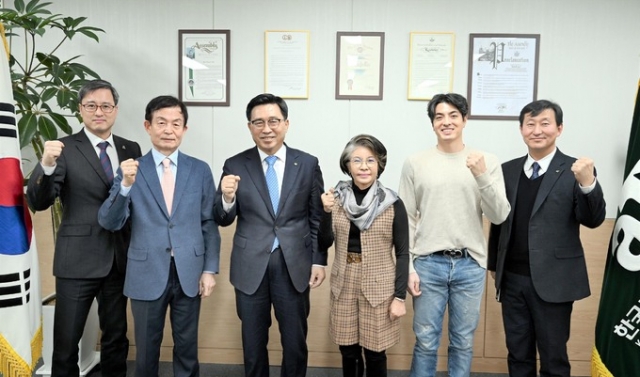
(369, 226)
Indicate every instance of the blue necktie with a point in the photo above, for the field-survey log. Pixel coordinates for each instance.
(274, 192)
(536, 170)
(105, 160)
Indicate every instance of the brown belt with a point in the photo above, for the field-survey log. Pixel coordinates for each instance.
(354, 257)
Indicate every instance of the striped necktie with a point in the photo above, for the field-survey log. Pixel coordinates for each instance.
(105, 161)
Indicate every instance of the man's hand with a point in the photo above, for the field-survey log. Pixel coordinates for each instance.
(414, 284)
(51, 152)
(397, 309)
(207, 282)
(583, 170)
(317, 276)
(475, 163)
(229, 186)
(129, 170)
(328, 200)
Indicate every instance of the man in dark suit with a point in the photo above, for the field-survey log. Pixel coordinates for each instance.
(274, 192)
(175, 244)
(536, 254)
(89, 261)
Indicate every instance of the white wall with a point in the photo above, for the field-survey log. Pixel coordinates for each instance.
(589, 64)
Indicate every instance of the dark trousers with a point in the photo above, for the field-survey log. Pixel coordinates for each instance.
(74, 298)
(291, 309)
(149, 319)
(529, 322)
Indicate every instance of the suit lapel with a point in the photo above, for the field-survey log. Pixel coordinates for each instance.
(121, 149)
(549, 179)
(185, 164)
(254, 168)
(291, 170)
(513, 175)
(147, 170)
(88, 151)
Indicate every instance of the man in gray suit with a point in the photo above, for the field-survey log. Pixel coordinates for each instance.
(175, 244)
(536, 254)
(274, 192)
(89, 261)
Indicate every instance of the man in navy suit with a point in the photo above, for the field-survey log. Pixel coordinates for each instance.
(89, 261)
(274, 193)
(175, 244)
(536, 255)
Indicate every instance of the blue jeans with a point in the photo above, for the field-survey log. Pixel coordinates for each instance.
(458, 282)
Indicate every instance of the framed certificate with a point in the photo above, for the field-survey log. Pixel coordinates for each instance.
(503, 74)
(359, 65)
(430, 64)
(286, 67)
(203, 67)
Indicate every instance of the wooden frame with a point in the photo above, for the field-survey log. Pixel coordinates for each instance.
(359, 65)
(503, 74)
(204, 67)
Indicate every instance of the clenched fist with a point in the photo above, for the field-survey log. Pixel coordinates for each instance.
(475, 163)
(583, 170)
(129, 171)
(229, 186)
(328, 200)
(51, 152)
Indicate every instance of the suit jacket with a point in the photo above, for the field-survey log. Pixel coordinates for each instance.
(556, 257)
(190, 231)
(83, 250)
(296, 224)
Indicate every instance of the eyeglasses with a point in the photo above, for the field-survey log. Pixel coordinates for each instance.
(92, 108)
(356, 161)
(272, 122)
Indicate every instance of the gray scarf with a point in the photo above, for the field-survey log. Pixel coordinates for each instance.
(378, 199)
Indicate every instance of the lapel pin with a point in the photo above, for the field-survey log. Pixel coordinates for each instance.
(124, 147)
(557, 171)
(295, 164)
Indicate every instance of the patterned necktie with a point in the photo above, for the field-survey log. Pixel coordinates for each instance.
(105, 161)
(168, 184)
(274, 192)
(536, 170)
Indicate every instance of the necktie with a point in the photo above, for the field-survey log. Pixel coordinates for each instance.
(168, 183)
(274, 192)
(105, 161)
(536, 170)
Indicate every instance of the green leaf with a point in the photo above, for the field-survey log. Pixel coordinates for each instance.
(78, 21)
(89, 34)
(31, 5)
(27, 127)
(19, 5)
(63, 97)
(61, 122)
(47, 129)
(41, 9)
(48, 93)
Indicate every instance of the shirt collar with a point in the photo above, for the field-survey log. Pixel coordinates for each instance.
(281, 154)
(95, 140)
(544, 162)
(159, 157)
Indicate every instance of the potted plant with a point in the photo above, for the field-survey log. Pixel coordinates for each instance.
(45, 86)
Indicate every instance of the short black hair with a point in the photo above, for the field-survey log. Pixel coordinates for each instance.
(536, 107)
(453, 99)
(93, 85)
(367, 141)
(265, 99)
(162, 102)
